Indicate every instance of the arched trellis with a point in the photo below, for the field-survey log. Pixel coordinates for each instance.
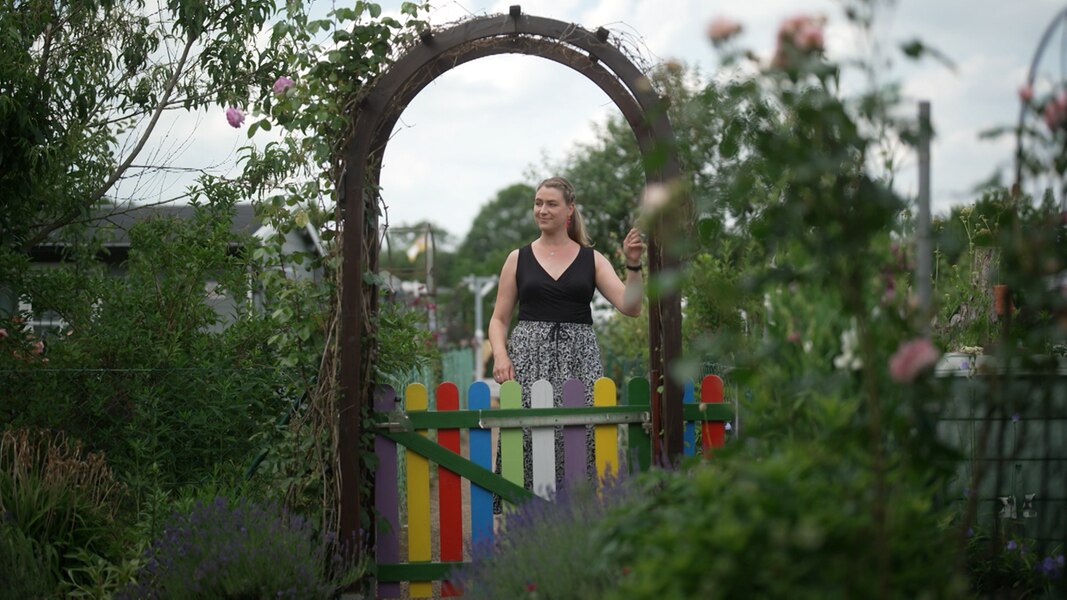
(588, 53)
(1058, 24)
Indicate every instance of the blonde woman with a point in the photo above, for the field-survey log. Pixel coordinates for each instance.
(552, 281)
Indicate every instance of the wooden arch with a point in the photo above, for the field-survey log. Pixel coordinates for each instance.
(590, 54)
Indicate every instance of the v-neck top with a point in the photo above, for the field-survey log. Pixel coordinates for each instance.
(563, 300)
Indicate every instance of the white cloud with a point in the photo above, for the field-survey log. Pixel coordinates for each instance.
(479, 127)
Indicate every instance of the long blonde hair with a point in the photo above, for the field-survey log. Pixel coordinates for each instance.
(576, 229)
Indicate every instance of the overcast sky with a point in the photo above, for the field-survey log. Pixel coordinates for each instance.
(496, 121)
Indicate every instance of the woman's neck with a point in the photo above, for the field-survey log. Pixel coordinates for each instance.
(554, 240)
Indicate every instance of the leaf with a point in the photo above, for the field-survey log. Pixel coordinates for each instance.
(375, 10)
(916, 49)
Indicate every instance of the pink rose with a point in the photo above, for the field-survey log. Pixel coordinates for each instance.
(912, 358)
(281, 84)
(234, 117)
(809, 38)
(722, 28)
(1026, 93)
(1052, 115)
(803, 34)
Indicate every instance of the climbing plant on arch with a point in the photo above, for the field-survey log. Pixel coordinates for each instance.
(593, 55)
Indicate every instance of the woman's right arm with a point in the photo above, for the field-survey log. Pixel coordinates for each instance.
(507, 292)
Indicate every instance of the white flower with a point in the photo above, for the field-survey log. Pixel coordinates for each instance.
(848, 359)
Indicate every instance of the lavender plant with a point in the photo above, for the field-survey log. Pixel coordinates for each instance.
(241, 549)
(545, 549)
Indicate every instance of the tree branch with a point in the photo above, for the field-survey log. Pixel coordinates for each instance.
(70, 215)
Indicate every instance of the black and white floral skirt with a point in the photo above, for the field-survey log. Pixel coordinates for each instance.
(555, 352)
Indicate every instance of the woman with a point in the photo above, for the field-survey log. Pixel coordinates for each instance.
(552, 279)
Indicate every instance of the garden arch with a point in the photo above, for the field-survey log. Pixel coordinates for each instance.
(589, 53)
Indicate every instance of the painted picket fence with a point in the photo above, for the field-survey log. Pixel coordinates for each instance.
(435, 437)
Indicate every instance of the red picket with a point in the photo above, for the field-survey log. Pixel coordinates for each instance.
(449, 490)
(712, 433)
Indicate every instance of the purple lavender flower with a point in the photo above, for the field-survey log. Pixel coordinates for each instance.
(266, 548)
(1012, 545)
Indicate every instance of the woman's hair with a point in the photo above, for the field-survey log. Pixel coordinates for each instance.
(576, 230)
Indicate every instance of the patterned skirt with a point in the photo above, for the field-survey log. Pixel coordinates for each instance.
(554, 352)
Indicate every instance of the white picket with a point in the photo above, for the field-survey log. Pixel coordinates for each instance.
(544, 443)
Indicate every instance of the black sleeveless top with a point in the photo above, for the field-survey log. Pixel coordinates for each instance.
(563, 300)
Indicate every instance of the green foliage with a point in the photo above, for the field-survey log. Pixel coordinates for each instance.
(240, 549)
(966, 268)
(141, 371)
(24, 565)
(793, 524)
(1011, 567)
(58, 508)
(503, 224)
(81, 78)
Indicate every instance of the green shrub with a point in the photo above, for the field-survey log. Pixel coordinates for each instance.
(240, 550)
(57, 501)
(795, 524)
(1007, 567)
(23, 566)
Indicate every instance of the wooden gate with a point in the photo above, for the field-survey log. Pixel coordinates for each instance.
(433, 437)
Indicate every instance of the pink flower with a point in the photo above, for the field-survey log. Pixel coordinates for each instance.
(234, 117)
(809, 38)
(1055, 112)
(531, 587)
(721, 29)
(1026, 93)
(793, 337)
(800, 34)
(3, 333)
(912, 358)
(37, 347)
(281, 84)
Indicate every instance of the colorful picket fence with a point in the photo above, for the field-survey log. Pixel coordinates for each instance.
(619, 430)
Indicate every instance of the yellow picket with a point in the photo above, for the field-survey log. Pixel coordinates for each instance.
(605, 437)
(418, 495)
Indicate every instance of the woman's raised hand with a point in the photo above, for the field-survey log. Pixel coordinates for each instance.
(633, 247)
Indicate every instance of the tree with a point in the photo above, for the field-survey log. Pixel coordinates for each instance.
(84, 87)
(502, 225)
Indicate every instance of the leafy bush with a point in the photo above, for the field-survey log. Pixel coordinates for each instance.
(23, 567)
(141, 371)
(795, 524)
(240, 550)
(58, 506)
(1002, 567)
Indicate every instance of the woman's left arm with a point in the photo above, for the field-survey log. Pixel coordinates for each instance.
(624, 296)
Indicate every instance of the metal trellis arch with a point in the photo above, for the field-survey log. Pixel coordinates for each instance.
(588, 53)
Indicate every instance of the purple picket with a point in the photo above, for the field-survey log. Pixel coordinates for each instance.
(387, 495)
(574, 449)
(689, 433)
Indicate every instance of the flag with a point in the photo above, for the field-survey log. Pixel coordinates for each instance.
(418, 246)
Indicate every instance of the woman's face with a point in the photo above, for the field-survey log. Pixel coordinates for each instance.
(550, 209)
